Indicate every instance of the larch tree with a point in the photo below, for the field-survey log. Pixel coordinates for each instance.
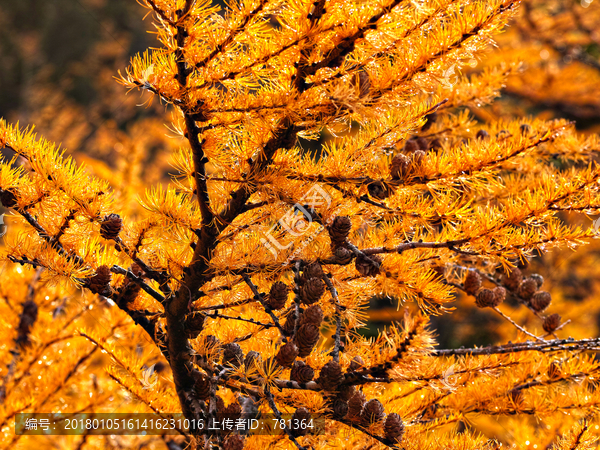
(324, 153)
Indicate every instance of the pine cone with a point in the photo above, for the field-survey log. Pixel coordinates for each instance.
(422, 143)
(512, 281)
(301, 372)
(486, 298)
(331, 376)
(287, 354)
(233, 411)
(539, 280)
(418, 157)
(299, 415)
(355, 405)
(525, 129)
(551, 323)
(400, 166)
(234, 442)
(211, 341)
(100, 283)
(306, 339)
(356, 364)
(394, 427)
(366, 268)
(313, 314)
(435, 144)
(313, 270)
(201, 385)
(232, 355)
(340, 408)
(472, 282)
(411, 145)
(482, 134)
(8, 199)
(373, 412)
(540, 301)
(527, 289)
(312, 291)
(499, 295)
(379, 190)
(339, 230)
(111, 226)
(194, 323)
(289, 324)
(346, 392)
(278, 295)
(343, 256)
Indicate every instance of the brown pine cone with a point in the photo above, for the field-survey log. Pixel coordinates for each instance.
(211, 341)
(343, 256)
(289, 324)
(339, 230)
(252, 360)
(346, 392)
(356, 364)
(313, 314)
(539, 280)
(8, 199)
(499, 295)
(220, 404)
(233, 411)
(379, 190)
(373, 412)
(340, 408)
(111, 226)
(100, 283)
(232, 355)
(355, 405)
(201, 385)
(512, 281)
(287, 354)
(400, 166)
(472, 282)
(527, 289)
(313, 270)
(422, 143)
(194, 323)
(312, 291)
(299, 415)
(234, 442)
(485, 298)
(525, 129)
(551, 323)
(411, 145)
(418, 157)
(301, 372)
(331, 376)
(366, 268)
(278, 295)
(482, 134)
(306, 339)
(394, 427)
(435, 144)
(540, 301)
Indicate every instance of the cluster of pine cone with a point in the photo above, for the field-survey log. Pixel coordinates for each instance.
(526, 289)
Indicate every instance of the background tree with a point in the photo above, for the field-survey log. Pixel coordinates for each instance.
(246, 280)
